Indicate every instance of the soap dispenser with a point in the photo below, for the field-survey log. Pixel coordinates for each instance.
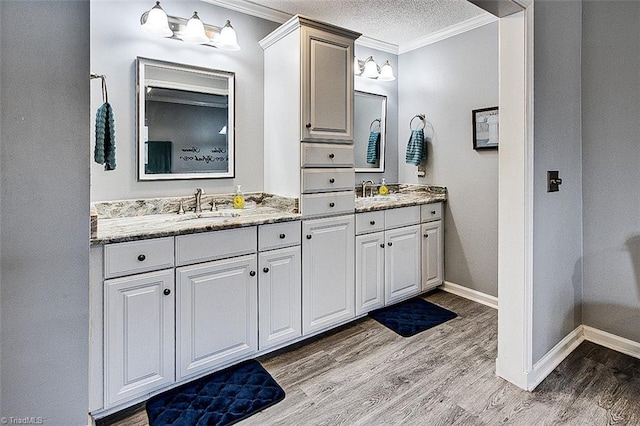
(238, 199)
(383, 190)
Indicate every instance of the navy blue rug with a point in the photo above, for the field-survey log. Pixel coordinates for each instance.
(221, 398)
(412, 316)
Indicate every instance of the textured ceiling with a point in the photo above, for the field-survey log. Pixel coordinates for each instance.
(392, 21)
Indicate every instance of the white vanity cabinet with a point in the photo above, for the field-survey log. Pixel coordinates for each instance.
(279, 284)
(432, 246)
(308, 136)
(388, 257)
(216, 301)
(138, 319)
(328, 293)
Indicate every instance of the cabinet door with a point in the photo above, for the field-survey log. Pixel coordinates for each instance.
(432, 255)
(279, 297)
(216, 314)
(369, 272)
(139, 335)
(328, 293)
(402, 263)
(327, 78)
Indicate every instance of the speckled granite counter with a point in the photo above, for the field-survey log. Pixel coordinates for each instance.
(401, 195)
(130, 220)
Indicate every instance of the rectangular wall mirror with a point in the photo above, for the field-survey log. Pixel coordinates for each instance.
(185, 121)
(370, 119)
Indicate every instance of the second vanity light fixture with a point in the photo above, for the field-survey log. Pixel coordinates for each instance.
(369, 69)
(191, 30)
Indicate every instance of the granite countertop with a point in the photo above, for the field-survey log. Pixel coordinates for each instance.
(401, 195)
(130, 220)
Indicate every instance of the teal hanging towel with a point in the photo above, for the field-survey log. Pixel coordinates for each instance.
(373, 148)
(416, 147)
(105, 149)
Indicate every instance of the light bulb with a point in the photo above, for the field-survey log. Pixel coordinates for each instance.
(157, 22)
(356, 67)
(386, 72)
(195, 31)
(228, 39)
(370, 68)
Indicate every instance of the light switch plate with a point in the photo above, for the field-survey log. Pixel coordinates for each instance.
(553, 181)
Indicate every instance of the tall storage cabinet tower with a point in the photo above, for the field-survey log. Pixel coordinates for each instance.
(308, 144)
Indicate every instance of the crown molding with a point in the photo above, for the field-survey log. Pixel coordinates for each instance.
(469, 24)
(372, 43)
(252, 9)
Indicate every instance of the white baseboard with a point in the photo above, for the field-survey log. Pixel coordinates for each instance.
(470, 294)
(611, 341)
(554, 357)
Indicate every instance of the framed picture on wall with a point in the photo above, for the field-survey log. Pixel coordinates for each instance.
(485, 128)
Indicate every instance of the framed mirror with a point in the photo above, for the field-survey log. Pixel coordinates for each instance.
(185, 121)
(370, 119)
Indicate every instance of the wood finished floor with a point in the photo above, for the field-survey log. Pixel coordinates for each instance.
(365, 374)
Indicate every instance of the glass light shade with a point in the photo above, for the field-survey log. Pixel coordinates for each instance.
(370, 68)
(228, 39)
(195, 31)
(386, 72)
(356, 67)
(157, 22)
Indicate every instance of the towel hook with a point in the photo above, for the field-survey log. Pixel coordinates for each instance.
(422, 119)
(105, 94)
(373, 122)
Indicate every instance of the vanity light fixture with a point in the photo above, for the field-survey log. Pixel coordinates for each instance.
(193, 30)
(369, 69)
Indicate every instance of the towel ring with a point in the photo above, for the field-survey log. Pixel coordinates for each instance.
(422, 119)
(103, 78)
(373, 122)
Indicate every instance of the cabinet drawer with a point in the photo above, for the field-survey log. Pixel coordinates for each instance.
(196, 248)
(324, 180)
(326, 155)
(429, 212)
(137, 256)
(369, 222)
(278, 235)
(403, 216)
(328, 203)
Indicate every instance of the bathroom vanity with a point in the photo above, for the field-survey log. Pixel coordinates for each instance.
(174, 297)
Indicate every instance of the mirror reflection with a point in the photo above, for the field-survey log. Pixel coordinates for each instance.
(185, 121)
(369, 131)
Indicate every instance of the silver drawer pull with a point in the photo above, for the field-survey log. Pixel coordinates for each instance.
(332, 180)
(282, 236)
(433, 212)
(141, 257)
(332, 204)
(373, 222)
(332, 155)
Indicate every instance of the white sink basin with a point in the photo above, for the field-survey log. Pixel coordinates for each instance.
(212, 216)
(377, 199)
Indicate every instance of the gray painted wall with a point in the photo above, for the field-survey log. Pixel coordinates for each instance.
(390, 90)
(116, 41)
(44, 216)
(446, 81)
(611, 171)
(557, 241)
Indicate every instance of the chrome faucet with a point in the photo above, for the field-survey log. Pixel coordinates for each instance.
(199, 192)
(364, 187)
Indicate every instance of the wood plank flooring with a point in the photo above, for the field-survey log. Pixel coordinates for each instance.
(365, 374)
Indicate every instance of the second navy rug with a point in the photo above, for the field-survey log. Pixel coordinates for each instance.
(412, 316)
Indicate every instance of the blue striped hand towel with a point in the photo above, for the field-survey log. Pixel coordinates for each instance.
(373, 148)
(416, 148)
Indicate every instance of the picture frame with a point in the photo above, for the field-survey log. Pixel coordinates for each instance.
(485, 128)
